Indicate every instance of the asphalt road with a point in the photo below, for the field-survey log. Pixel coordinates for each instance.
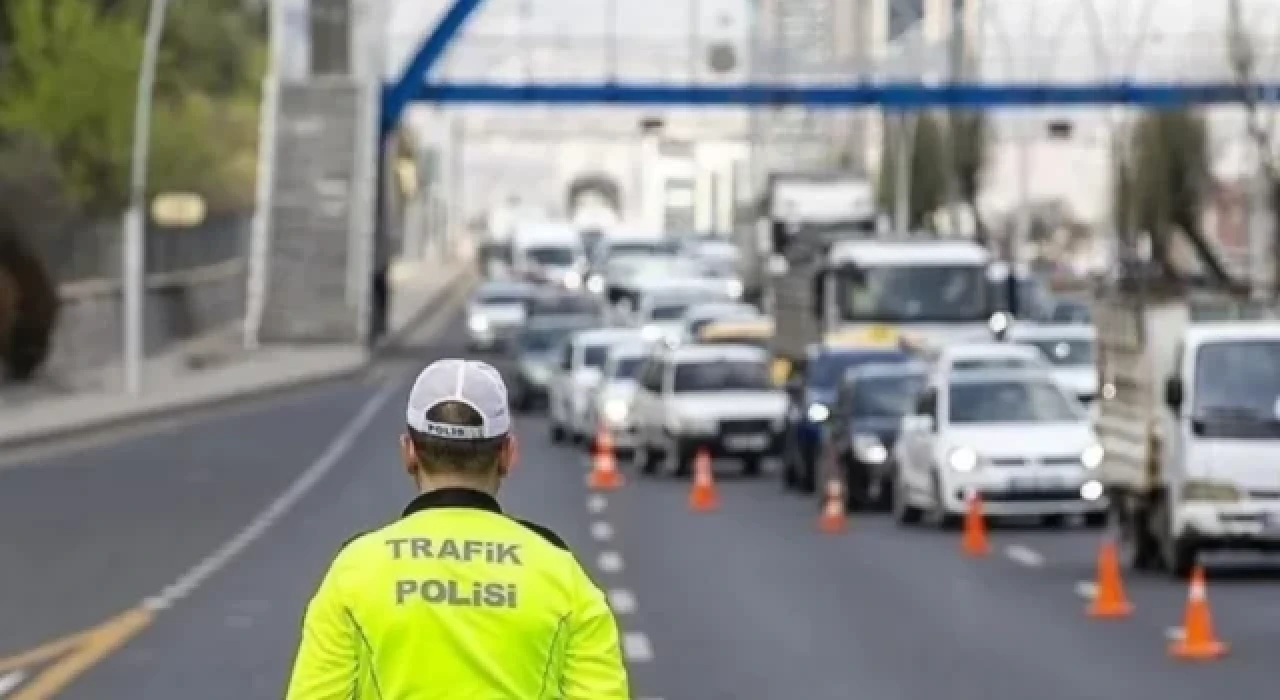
(750, 602)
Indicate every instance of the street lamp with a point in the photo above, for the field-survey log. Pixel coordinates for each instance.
(134, 261)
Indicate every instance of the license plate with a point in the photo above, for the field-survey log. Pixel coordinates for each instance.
(746, 442)
(1033, 484)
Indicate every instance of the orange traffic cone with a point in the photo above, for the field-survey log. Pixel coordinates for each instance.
(1110, 601)
(974, 542)
(702, 496)
(604, 467)
(1198, 641)
(833, 519)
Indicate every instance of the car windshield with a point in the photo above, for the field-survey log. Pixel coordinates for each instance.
(825, 371)
(885, 397)
(627, 367)
(1070, 312)
(595, 355)
(668, 311)
(721, 375)
(550, 255)
(542, 340)
(1064, 352)
(1237, 389)
(1011, 401)
(938, 293)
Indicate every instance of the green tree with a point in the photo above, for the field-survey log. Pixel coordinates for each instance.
(968, 139)
(928, 176)
(70, 81)
(1161, 185)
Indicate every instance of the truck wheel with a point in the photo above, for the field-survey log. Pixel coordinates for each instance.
(1138, 548)
(1181, 558)
(903, 511)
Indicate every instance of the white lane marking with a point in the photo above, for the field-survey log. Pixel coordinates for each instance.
(283, 503)
(636, 647)
(10, 681)
(602, 531)
(610, 562)
(622, 601)
(596, 503)
(1173, 634)
(1025, 556)
(1087, 590)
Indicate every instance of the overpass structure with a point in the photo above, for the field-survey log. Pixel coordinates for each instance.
(334, 130)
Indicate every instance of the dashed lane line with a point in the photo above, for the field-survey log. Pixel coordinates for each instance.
(636, 647)
(609, 562)
(602, 531)
(1024, 555)
(1087, 589)
(622, 601)
(596, 504)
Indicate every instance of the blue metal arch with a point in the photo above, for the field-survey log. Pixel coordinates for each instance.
(414, 85)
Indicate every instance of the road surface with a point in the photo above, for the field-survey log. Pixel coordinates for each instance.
(175, 564)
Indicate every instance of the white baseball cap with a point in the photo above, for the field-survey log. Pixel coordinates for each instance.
(476, 384)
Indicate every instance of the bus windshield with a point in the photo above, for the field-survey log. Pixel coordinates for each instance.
(920, 293)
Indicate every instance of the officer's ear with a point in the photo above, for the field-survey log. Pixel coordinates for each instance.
(409, 455)
(510, 454)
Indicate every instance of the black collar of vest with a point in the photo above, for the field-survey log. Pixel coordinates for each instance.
(453, 498)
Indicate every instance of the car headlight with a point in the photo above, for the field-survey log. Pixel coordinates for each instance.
(1092, 456)
(869, 449)
(572, 279)
(1217, 491)
(1092, 490)
(615, 411)
(478, 323)
(651, 333)
(735, 288)
(538, 374)
(595, 284)
(962, 459)
(818, 413)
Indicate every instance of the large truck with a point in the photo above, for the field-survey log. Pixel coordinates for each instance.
(928, 289)
(800, 211)
(1188, 420)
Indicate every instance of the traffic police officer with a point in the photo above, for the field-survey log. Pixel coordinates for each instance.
(457, 599)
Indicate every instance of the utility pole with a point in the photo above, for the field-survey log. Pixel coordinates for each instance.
(260, 241)
(956, 69)
(135, 219)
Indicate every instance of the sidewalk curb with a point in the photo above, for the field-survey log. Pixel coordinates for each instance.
(266, 388)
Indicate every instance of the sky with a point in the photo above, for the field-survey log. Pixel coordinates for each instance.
(640, 21)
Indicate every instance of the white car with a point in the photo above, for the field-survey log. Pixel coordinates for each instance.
(718, 398)
(1015, 437)
(967, 357)
(578, 372)
(609, 408)
(660, 312)
(496, 312)
(1070, 349)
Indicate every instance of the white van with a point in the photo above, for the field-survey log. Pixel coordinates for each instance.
(549, 253)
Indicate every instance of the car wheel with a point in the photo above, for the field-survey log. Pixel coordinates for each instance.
(790, 480)
(903, 511)
(647, 459)
(808, 469)
(557, 433)
(678, 463)
(941, 518)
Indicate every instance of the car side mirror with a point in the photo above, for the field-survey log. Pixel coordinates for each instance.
(1173, 394)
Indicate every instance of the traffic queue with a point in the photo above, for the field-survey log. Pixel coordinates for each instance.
(656, 353)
